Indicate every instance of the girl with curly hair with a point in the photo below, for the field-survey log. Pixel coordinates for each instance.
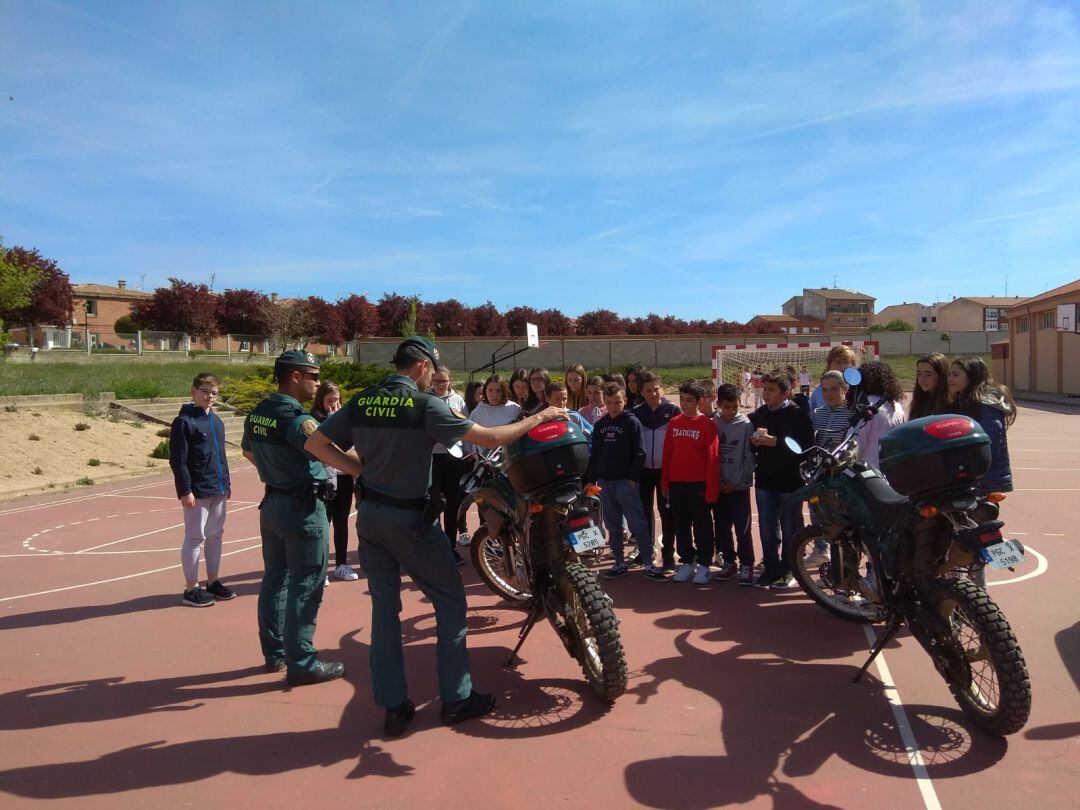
(880, 385)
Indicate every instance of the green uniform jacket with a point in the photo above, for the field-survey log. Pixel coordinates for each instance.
(275, 432)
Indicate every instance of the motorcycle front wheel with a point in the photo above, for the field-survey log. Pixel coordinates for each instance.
(841, 582)
(593, 630)
(497, 562)
(980, 659)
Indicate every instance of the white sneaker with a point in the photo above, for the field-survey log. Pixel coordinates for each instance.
(683, 573)
(326, 584)
(464, 539)
(816, 557)
(346, 573)
(702, 576)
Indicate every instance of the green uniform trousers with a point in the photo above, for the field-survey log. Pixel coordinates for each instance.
(388, 544)
(294, 547)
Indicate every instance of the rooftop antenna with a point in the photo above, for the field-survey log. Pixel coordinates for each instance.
(1006, 285)
(834, 282)
(142, 281)
(212, 277)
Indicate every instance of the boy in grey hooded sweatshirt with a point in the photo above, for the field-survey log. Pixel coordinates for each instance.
(732, 510)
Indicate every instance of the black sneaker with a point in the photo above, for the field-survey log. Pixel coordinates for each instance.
(197, 597)
(615, 572)
(274, 665)
(219, 591)
(765, 579)
(475, 705)
(655, 574)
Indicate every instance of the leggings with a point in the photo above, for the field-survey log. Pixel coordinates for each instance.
(338, 511)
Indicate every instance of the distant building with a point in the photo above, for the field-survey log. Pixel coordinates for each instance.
(98, 307)
(1043, 350)
(922, 317)
(840, 310)
(971, 314)
(790, 324)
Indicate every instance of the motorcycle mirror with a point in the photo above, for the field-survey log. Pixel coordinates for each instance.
(852, 376)
(791, 444)
(457, 450)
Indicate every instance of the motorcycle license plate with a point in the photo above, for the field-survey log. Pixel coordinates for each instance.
(1005, 554)
(587, 539)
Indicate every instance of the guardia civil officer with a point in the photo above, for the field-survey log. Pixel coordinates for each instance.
(292, 521)
(394, 426)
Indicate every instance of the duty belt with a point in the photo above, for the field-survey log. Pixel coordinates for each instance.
(369, 494)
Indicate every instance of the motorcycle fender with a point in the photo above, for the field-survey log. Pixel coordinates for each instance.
(493, 519)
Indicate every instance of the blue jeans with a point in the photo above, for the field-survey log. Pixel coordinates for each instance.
(778, 520)
(620, 499)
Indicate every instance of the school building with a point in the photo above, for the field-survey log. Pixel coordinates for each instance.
(1042, 353)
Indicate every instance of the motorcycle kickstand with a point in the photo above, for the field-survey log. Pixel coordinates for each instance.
(533, 616)
(890, 631)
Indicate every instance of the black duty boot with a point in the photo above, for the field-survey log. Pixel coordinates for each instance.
(322, 672)
(397, 718)
(475, 705)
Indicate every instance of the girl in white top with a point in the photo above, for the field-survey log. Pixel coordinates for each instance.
(496, 409)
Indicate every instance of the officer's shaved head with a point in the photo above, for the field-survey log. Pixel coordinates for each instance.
(407, 357)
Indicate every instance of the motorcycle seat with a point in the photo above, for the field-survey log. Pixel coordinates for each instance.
(888, 504)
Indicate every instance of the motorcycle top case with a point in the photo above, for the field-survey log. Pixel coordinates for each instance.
(935, 455)
(547, 454)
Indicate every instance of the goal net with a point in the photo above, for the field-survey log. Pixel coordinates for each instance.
(740, 363)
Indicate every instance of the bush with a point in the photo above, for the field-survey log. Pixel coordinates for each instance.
(94, 462)
(34, 437)
(161, 451)
(85, 481)
(80, 426)
(38, 471)
(164, 433)
(136, 425)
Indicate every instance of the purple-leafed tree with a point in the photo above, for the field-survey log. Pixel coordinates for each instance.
(242, 312)
(488, 321)
(180, 307)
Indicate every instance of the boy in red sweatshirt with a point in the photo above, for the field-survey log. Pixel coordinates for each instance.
(690, 478)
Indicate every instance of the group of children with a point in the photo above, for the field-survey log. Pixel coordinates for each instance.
(693, 464)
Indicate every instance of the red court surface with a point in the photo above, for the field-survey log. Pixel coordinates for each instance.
(116, 695)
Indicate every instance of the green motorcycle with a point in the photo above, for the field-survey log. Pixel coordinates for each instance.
(900, 541)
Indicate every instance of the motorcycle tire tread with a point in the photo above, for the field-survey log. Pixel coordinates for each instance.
(597, 606)
(1007, 658)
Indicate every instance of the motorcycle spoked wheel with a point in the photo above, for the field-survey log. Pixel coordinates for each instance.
(498, 568)
(834, 584)
(587, 618)
(980, 659)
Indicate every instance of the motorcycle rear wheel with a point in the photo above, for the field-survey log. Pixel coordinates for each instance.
(983, 664)
(594, 630)
(498, 568)
(834, 584)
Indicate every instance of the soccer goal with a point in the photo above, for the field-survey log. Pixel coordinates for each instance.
(733, 362)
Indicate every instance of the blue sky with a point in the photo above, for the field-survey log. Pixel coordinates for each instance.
(703, 159)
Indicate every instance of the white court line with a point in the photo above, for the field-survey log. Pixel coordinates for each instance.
(1048, 490)
(52, 554)
(33, 507)
(144, 534)
(915, 758)
(1041, 567)
(1050, 469)
(162, 498)
(116, 579)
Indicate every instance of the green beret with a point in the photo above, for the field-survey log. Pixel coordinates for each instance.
(421, 344)
(297, 357)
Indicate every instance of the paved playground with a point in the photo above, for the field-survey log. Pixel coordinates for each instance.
(113, 694)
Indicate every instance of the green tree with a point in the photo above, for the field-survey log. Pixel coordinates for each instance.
(50, 295)
(16, 284)
(895, 325)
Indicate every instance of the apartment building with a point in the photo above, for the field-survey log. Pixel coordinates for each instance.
(840, 310)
